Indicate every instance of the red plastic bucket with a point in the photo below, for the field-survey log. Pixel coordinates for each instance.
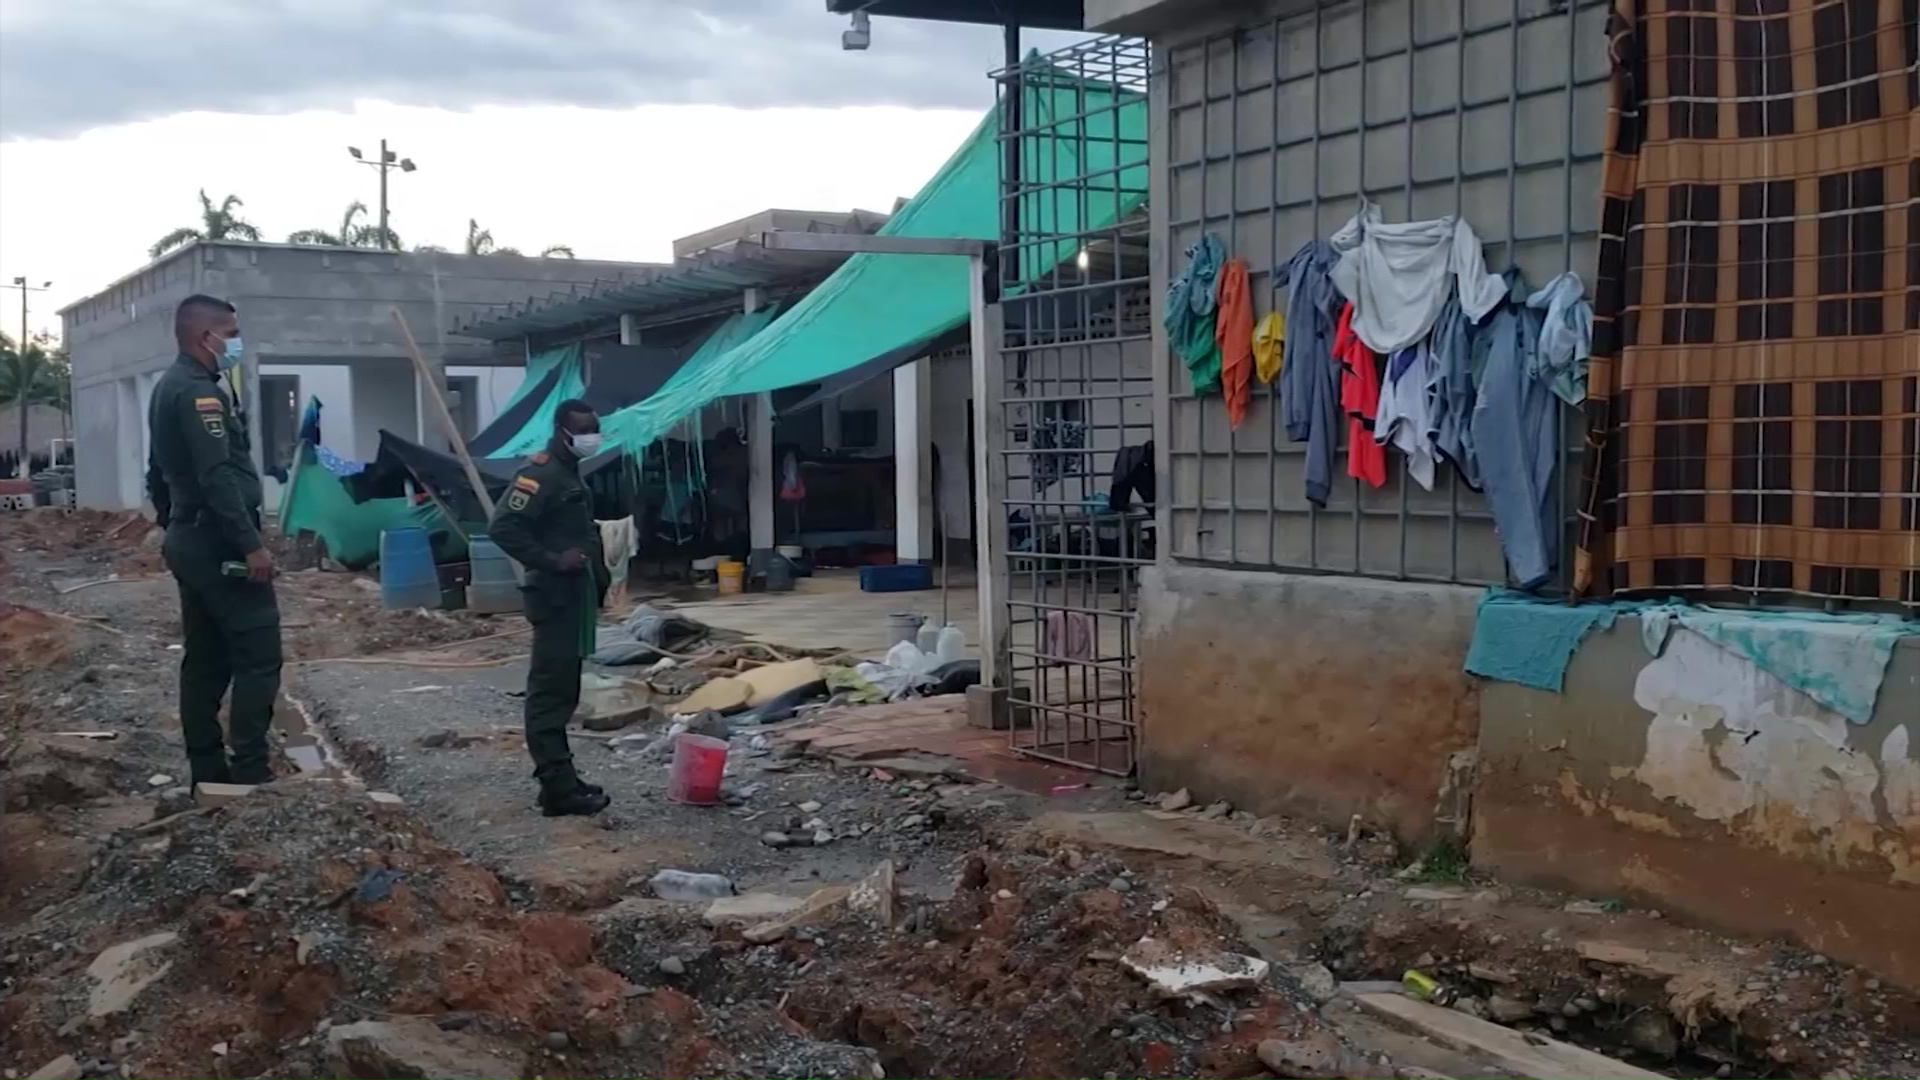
(698, 764)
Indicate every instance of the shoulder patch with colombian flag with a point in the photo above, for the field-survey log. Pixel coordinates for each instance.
(208, 404)
(526, 483)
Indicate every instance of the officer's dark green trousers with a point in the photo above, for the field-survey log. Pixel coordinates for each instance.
(232, 641)
(556, 607)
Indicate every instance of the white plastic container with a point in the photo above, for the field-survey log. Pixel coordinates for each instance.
(951, 645)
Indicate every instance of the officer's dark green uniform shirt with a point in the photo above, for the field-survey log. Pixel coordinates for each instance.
(547, 510)
(203, 485)
(201, 465)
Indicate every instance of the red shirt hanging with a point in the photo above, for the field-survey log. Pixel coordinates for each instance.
(1360, 399)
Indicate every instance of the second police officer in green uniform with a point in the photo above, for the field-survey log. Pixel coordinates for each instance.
(545, 523)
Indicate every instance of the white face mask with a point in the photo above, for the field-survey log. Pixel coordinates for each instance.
(585, 443)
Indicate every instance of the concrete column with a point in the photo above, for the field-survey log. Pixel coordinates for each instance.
(913, 495)
(760, 483)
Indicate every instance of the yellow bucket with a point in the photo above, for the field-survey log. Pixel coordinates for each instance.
(732, 576)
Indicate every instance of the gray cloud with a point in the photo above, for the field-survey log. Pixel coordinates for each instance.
(67, 66)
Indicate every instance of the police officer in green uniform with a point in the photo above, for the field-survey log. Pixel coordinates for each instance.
(206, 493)
(545, 523)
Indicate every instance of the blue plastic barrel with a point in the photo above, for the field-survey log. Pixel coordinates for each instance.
(407, 575)
(493, 589)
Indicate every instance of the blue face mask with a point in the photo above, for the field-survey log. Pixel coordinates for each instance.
(231, 352)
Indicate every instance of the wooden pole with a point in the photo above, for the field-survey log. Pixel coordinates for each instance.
(439, 402)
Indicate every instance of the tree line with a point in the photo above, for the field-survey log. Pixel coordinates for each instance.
(222, 221)
(35, 372)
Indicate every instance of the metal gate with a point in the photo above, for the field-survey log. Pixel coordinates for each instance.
(1074, 380)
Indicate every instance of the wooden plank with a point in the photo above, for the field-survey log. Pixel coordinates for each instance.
(1523, 1055)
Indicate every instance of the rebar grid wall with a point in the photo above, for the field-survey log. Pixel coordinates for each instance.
(1075, 381)
(1492, 109)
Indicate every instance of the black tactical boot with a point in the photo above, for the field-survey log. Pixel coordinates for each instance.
(577, 802)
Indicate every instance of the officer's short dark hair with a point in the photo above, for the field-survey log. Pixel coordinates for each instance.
(196, 309)
(569, 407)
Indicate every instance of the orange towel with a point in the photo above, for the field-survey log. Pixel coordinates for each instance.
(1233, 330)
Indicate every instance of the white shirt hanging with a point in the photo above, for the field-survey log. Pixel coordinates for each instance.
(1397, 276)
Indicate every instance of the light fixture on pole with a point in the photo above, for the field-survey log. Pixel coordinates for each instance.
(388, 160)
(21, 284)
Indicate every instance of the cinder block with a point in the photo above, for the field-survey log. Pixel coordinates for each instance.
(220, 794)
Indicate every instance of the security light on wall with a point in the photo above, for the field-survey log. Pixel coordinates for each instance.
(861, 34)
(1083, 260)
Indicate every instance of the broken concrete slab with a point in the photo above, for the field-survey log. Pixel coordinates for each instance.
(1218, 842)
(1316, 1056)
(412, 1048)
(1522, 1055)
(121, 972)
(1173, 972)
(751, 909)
(821, 907)
(63, 1067)
(1314, 979)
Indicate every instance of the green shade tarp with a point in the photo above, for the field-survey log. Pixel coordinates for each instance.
(876, 304)
(314, 500)
(539, 427)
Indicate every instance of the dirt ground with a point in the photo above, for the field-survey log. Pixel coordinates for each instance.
(938, 927)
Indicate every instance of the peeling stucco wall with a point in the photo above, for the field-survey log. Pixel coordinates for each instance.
(1699, 783)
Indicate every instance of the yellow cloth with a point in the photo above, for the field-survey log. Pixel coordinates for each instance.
(1266, 345)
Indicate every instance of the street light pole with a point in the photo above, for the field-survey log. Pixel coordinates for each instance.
(383, 192)
(386, 161)
(24, 404)
(20, 283)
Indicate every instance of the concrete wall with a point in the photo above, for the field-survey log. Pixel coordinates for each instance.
(1269, 122)
(299, 305)
(1321, 697)
(1699, 784)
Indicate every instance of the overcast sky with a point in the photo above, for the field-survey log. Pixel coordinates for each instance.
(609, 125)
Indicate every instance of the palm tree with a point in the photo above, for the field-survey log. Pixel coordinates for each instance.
(480, 242)
(352, 232)
(221, 222)
(34, 374)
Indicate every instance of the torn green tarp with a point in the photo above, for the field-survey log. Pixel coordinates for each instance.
(875, 304)
(536, 419)
(314, 500)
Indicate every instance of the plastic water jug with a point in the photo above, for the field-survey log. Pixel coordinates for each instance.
(407, 575)
(928, 638)
(951, 645)
(493, 589)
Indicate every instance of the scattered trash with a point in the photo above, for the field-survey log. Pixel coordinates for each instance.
(686, 885)
(159, 780)
(1425, 987)
(1174, 973)
(376, 885)
(1178, 800)
(423, 689)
